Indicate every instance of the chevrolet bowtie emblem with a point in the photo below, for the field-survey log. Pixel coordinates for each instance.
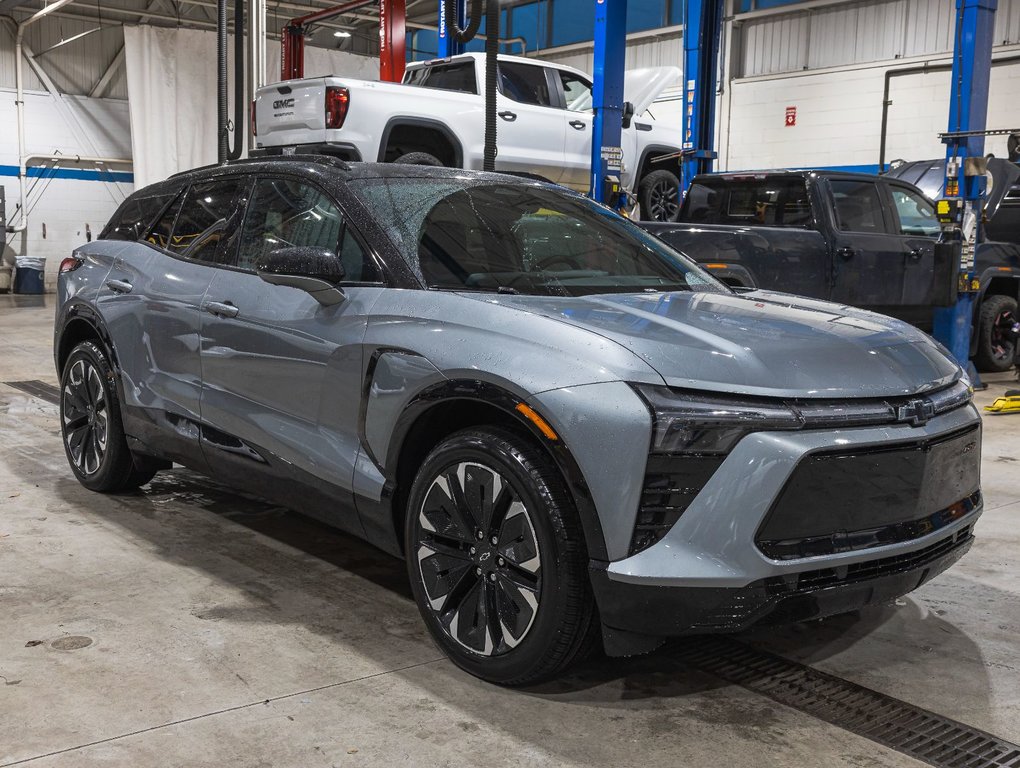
(916, 412)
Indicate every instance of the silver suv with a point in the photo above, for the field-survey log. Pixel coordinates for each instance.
(569, 431)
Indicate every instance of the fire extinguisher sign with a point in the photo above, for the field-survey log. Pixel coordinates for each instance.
(791, 117)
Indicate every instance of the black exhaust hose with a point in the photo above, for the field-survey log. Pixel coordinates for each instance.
(239, 106)
(221, 81)
(474, 20)
(491, 51)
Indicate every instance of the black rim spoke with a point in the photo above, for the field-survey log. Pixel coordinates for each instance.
(478, 558)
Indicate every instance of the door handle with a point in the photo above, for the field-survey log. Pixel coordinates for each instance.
(508, 115)
(221, 308)
(577, 124)
(846, 253)
(119, 286)
(915, 254)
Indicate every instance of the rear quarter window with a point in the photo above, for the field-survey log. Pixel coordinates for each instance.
(133, 218)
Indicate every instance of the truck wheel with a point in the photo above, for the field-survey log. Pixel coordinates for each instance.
(659, 196)
(419, 158)
(995, 350)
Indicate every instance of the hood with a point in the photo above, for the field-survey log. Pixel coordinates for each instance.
(642, 86)
(762, 343)
(929, 177)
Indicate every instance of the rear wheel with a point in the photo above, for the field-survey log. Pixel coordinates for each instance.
(419, 158)
(996, 349)
(496, 559)
(659, 196)
(91, 426)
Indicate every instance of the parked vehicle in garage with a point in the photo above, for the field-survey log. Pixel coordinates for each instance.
(562, 424)
(857, 239)
(997, 256)
(435, 117)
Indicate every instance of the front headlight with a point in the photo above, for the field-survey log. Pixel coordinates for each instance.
(703, 424)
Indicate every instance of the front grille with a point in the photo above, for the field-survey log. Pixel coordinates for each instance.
(843, 501)
(670, 485)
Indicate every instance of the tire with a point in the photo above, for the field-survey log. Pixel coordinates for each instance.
(995, 353)
(659, 196)
(419, 158)
(518, 611)
(90, 424)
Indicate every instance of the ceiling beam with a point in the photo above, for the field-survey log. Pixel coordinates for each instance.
(6, 6)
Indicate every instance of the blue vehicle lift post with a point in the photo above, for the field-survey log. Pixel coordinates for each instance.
(607, 99)
(965, 151)
(702, 21)
(447, 44)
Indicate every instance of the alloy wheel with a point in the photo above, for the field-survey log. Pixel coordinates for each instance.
(664, 201)
(479, 558)
(1003, 346)
(85, 417)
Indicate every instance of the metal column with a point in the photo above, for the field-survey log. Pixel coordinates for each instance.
(702, 28)
(965, 150)
(392, 40)
(607, 97)
(448, 45)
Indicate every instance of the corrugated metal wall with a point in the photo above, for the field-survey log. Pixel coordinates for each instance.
(75, 67)
(859, 32)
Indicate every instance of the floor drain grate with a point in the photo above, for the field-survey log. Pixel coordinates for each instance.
(908, 729)
(37, 388)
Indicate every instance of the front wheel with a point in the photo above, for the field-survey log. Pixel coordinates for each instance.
(91, 426)
(659, 196)
(496, 558)
(996, 349)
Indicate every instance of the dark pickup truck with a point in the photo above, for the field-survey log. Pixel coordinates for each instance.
(863, 240)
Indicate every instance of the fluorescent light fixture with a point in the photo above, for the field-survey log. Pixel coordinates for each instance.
(341, 33)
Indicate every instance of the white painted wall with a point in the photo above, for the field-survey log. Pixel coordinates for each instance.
(839, 116)
(60, 209)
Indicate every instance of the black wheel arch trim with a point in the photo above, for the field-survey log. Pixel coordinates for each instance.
(473, 390)
(77, 311)
(673, 166)
(422, 122)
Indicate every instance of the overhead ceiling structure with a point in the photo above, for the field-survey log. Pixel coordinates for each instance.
(359, 29)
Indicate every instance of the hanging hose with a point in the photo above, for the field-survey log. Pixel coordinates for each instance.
(221, 81)
(239, 106)
(491, 51)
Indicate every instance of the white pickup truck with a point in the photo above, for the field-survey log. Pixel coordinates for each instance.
(436, 117)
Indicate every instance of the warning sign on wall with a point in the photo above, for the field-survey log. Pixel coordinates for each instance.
(791, 117)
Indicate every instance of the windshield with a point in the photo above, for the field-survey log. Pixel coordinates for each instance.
(527, 238)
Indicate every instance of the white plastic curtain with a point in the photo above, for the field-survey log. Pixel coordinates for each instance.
(171, 76)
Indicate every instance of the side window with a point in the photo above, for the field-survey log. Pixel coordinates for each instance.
(134, 217)
(576, 91)
(524, 83)
(204, 220)
(452, 77)
(160, 233)
(285, 213)
(916, 215)
(858, 206)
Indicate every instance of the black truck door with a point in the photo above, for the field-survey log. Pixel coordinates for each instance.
(867, 256)
(917, 228)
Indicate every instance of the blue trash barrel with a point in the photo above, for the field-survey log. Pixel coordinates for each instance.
(28, 275)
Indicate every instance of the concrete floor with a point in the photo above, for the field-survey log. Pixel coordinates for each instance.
(184, 625)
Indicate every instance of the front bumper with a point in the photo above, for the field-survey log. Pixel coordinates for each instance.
(708, 574)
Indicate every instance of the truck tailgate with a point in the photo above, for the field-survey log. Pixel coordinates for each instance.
(292, 112)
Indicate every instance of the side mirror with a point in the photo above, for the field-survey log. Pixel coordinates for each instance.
(313, 270)
(628, 113)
